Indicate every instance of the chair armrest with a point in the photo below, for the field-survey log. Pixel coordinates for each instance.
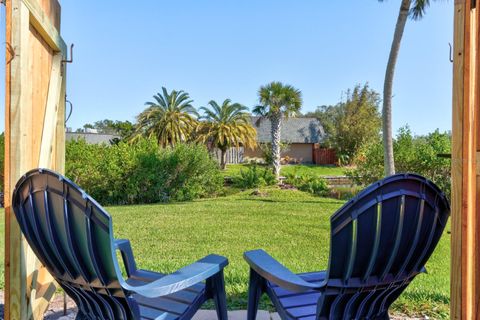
(181, 279)
(270, 269)
(123, 245)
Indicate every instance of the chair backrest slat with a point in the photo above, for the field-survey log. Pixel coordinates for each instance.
(416, 237)
(398, 237)
(353, 251)
(72, 236)
(376, 242)
(53, 239)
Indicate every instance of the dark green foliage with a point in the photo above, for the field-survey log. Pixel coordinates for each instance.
(416, 154)
(308, 183)
(254, 177)
(122, 128)
(351, 123)
(142, 172)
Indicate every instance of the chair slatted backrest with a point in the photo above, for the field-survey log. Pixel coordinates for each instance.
(72, 236)
(380, 240)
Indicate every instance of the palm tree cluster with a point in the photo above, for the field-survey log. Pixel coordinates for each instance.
(172, 119)
(226, 126)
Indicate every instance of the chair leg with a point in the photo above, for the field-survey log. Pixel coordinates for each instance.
(255, 291)
(217, 286)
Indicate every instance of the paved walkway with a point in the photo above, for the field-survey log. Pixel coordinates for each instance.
(55, 312)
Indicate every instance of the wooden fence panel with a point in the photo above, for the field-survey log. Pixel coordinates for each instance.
(34, 137)
(324, 156)
(234, 155)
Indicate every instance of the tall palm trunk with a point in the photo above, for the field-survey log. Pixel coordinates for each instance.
(276, 120)
(388, 88)
(223, 160)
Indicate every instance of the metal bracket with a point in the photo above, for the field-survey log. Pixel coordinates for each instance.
(71, 110)
(10, 50)
(451, 52)
(71, 55)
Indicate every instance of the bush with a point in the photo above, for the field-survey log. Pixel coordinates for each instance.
(142, 172)
(254, 177)
(266, 149)
(308, 183)
(412, 154)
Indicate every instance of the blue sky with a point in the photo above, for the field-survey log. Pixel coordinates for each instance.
(125, 51)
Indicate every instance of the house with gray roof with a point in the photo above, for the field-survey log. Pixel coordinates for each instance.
(303, 135)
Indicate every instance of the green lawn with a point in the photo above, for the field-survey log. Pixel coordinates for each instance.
(291, 225)
(234, 169)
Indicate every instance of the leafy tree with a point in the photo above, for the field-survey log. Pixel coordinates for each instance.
(226, 126)
(171, 118)
(416, 154)
(122, 128)
(351, 123)
(415, 9)
(277, 101)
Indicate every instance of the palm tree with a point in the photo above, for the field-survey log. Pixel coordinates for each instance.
(277, 101)
(416, 10)
(226, 126)
(171, 118)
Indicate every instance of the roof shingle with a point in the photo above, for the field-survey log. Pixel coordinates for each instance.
(294, 130)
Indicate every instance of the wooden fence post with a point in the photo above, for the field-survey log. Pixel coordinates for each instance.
(34, 137)
(465, 257)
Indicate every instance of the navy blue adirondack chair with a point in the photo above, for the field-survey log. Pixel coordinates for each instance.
(72, 236)
(380, 240)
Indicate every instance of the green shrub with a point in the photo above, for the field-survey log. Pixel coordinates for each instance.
(414, 154)
(142, 172)
(308, 183)
(266, 149)
(254, 177)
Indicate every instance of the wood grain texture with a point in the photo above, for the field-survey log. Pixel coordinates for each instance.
(457, 162)
(29, 56)
(42, 14)
(465, 272)
(476, 99)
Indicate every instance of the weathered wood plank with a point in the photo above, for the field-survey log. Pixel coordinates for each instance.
(457, 162)
(17, 117)
(476, 57)
(44, 26)
(465, 222)
(29, 58)
(50, 124)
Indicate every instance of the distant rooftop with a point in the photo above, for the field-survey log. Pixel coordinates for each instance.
(91, 138)
(294, 130)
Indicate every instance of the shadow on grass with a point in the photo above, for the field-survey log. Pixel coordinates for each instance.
(336, 202)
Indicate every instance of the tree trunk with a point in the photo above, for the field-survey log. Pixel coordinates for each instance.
(276, 121)
(389, 162)
(223, 160)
